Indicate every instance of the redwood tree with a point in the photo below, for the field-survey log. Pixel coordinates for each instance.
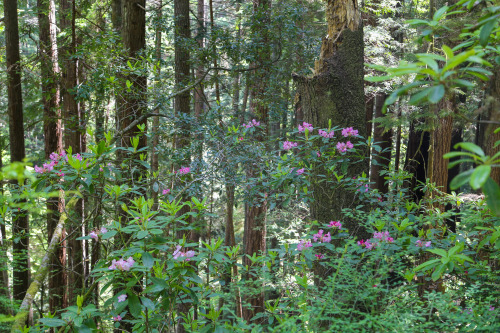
(20, 224)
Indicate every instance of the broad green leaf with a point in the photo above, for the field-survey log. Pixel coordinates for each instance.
(147, 259)
(440, 13)
(436, 93)
(470, 147)
(378, 78)
(447, 51)
(427, 264)
(484, 34)
(418, 97)
(439, 252)
(479, 176)
(438, 272)
(458, 59)
(134, 305)
(461, 179)
(417, 22)
(492, 192)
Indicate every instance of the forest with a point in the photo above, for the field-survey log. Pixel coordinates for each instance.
(249, 166)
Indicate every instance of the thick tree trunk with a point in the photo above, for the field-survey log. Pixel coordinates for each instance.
(417, 156)
(53, 140)
(336, 92)
(20, 224)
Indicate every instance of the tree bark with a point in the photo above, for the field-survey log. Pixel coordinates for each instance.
(20, 224)
(336, 92)
(384, 140)
(52, 124)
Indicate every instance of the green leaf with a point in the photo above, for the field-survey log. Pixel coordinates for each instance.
(492, 192)
(458, 59)
(438, 272)
(142, 234)
(52, 322)
(461, 179)
(417, 22)
(447, 51)
(470, 147)
(148, 260)
(427, 264)
(479, 176)
(378, 78)
(484, 34)
(439, 252)
(134, 305)
(440, 13)
(436, 93)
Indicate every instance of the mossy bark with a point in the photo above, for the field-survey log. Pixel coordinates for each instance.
(336, 93)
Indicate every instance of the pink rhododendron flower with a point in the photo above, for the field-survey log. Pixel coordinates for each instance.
(335, 224)
(304, 126)
(104, 230)
(319, 256)
(322, 238)
(252, 124)
(183, 171)
(303, 245)
(326, 134)
(93, 235)
(117, 318)
(300, 171)
(164, 192)
(492, 308)
(369, 245)
(341, 147)
(349, 131)
(318, 154)
(122, 265)
(179, 254)
(122, 298)
(289, 145)
(419, 243)
(101, 169)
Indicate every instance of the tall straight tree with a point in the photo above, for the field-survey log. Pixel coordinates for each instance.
(182, 107)
(53, 138)
(20, 223)
(73, 137)
(255, 213)
(336, 92)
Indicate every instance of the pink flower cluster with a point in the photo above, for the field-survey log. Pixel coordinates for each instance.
(179, 254)
(117, 318)
(289, 145)
(47, 167)
(343, 146)
(322, 238)
(122, 298)
(335, 224)
(183, 171)
(325, 134)
(122, 265)
(95, 234)
(383, 236)
(300, 171)
(304, 126)
(419, 243)
(303, 245)
(252, 124)
(380, 236)
(349, 131)
(165, 192)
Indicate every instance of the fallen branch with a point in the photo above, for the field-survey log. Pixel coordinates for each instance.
(42, 272)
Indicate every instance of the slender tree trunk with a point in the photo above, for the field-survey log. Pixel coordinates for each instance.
(384, 140)
(256, 211)
(20, 223)
(6, 303)
(156, 120)
(53, 140)
(182, 108)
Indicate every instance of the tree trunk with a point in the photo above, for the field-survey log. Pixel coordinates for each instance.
(5, 296)
(336, 92)
(182, 107)
(384, 140)
(20, 224)
(417, 156)
(53, 140)
(156, 120)
(255, 214)
(493, 115)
